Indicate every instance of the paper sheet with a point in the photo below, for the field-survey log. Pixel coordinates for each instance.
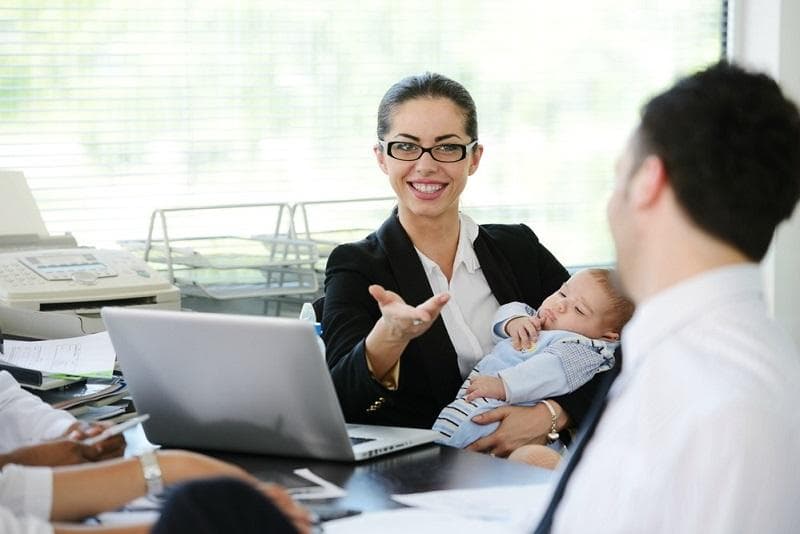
(513, 506)
(20, 213)
(91, 355)
(416, 520)
(320, 488)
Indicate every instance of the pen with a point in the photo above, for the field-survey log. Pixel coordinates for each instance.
(114, 430)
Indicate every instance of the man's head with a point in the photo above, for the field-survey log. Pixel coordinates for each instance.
(729, 142)
(588, 304)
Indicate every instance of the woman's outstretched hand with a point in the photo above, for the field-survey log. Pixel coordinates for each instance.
(399, 324)
(403, 322)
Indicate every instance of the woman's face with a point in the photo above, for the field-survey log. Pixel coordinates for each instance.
(426, 187)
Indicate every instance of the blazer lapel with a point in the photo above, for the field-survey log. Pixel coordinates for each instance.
(496, 269)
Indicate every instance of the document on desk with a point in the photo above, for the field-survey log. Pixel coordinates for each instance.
(416, 520)
(503, 509)
(91, 356)
(511, 505)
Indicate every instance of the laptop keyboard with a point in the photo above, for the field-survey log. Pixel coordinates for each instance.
(355, 441)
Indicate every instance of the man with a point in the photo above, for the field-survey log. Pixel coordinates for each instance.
(700, 432)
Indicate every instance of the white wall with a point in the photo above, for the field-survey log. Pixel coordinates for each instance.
(765, 34)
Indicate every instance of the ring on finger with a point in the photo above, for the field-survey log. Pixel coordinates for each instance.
(416, 322)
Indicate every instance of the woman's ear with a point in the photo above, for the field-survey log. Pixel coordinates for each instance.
(475, 159)
(380, 156)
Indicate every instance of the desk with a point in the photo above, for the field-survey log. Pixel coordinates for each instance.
(371, 483)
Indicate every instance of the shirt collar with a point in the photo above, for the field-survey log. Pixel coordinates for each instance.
(664, 313)
(468, 232)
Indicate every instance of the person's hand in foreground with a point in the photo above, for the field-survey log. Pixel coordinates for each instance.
(298, 515)
(112, 447)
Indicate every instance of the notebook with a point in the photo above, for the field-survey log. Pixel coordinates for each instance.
(240, 383)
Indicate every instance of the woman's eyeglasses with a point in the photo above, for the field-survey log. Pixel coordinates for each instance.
(444, 153)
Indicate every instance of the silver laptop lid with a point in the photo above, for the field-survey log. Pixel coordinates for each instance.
(229, 382)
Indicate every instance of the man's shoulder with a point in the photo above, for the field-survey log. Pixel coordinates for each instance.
(729, 358)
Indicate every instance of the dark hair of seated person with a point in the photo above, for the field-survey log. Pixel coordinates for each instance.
(220, 506)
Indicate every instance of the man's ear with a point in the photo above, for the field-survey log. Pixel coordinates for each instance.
(380, 156)
(649, 182)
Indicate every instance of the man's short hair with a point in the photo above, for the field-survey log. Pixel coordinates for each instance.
(730, 143)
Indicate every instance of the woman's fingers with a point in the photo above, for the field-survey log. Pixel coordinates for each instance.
(415, 319)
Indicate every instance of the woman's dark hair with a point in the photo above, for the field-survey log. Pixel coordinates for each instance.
(428, 85)
(730, 143)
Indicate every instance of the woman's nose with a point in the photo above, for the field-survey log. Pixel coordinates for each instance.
(426, 163)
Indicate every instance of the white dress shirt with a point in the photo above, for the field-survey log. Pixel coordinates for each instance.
(26, 496)
(469, 312)
(25, 419)
(701, 432)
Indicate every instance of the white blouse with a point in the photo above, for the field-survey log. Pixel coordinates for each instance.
(469, 313)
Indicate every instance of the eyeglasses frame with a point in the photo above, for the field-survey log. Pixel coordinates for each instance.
(387, 146)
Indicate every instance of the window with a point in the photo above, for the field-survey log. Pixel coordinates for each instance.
(115, 108)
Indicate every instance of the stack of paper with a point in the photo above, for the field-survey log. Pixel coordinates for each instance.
(90, 356)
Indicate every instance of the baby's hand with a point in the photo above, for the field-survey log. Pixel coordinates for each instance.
(524, 331)
(486, 386)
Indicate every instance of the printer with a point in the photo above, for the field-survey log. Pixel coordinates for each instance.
(52, 288)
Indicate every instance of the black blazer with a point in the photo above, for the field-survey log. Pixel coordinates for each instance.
(517, 268)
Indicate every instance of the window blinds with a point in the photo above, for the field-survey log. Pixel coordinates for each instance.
(115, 108)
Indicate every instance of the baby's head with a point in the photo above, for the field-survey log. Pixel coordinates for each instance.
(589, 304)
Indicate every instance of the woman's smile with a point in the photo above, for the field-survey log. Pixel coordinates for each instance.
(426, 190)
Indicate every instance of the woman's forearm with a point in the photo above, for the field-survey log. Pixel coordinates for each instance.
(86, 490)
(382, 351)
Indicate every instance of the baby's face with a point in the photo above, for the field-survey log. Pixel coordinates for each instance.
(580, 306)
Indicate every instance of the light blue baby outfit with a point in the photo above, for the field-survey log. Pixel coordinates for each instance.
(560, 363)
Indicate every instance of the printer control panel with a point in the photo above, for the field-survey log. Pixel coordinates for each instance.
(81, 265)
(32, 277)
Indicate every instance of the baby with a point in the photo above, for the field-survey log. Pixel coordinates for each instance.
(544, 353)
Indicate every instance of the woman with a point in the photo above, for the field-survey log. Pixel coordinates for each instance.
(407, 309)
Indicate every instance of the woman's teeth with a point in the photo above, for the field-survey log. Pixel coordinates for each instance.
(427, 188)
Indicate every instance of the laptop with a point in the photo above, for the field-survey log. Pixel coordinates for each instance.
(240, 383)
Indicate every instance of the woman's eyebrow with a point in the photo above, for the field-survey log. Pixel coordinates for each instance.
(447, 136)
(436, 139)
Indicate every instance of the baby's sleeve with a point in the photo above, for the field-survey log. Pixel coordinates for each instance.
(505, 313)
(559, 368)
